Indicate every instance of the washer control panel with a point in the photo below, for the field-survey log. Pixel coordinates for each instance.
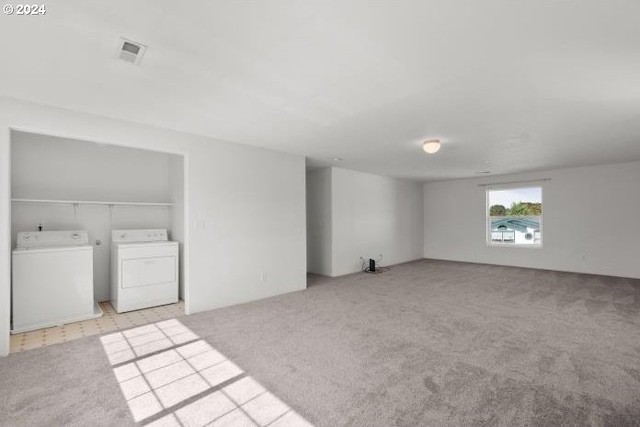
(46, 239)
(132, 236)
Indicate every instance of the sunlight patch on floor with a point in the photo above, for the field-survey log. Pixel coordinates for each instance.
(171, 377)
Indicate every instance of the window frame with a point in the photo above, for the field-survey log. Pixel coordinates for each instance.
(487, 231)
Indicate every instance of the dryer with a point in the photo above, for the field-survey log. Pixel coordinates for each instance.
(52, 280)
(144, 269)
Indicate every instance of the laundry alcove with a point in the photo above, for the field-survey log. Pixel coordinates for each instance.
(68, 184)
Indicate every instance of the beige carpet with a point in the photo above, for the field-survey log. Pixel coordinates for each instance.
(427, 343)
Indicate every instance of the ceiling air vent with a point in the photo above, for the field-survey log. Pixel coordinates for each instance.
(131, 51)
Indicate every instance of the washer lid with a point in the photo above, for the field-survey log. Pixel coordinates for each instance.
(47, 239)
(51, 249)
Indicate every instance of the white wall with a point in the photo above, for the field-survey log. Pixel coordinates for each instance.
(373, 215)
(319, 221)
(353, 215)
(246, 206)
(177, 197)
(5, 238)
(45, 167)
(590, 221)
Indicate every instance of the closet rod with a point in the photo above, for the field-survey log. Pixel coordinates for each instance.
(91, 202)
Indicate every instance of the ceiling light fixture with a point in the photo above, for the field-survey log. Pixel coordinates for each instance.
(431, 146)
(337, 159)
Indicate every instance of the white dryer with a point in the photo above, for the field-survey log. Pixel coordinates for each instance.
(144, 269)
(52, 280)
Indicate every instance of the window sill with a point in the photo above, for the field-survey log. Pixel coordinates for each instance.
(513, 245)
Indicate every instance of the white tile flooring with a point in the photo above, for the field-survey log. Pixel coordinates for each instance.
(171, 377)
(110, 321)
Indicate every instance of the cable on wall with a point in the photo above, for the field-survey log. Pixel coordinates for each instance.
(378, 267)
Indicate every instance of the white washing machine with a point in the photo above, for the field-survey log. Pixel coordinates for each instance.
(52, 280)
(144, 269)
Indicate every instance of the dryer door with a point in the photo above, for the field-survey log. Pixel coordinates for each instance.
(148, 271)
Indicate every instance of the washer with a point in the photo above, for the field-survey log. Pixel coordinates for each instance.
(144, 269)
(52, 280)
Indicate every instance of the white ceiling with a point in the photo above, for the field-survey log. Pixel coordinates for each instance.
(508, 85)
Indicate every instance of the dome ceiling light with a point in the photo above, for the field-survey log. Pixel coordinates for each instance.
(431, 146)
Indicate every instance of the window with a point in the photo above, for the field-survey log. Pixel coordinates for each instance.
(514, 217)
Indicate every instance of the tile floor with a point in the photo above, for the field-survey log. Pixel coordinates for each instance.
(110, 321)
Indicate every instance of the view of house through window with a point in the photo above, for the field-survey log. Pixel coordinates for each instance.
(514, 216)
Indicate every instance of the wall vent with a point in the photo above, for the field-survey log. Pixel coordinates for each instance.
(131, 51)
